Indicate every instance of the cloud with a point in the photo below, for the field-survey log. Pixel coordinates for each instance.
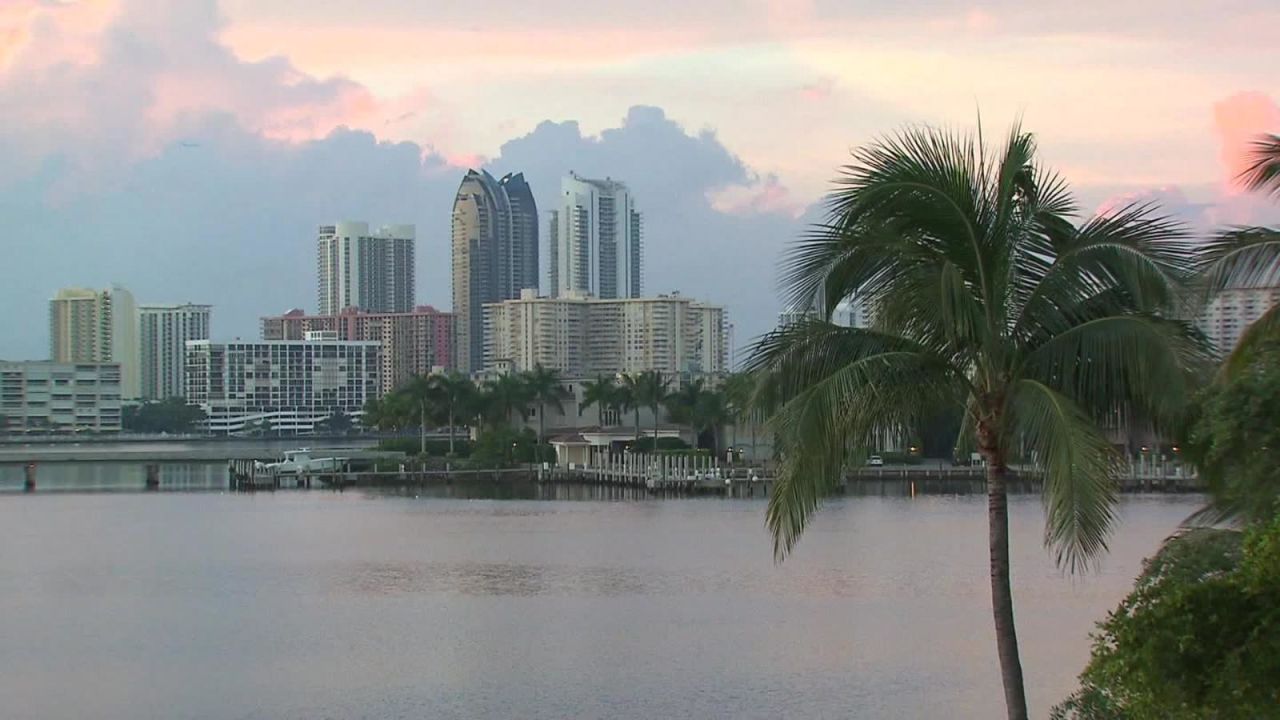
(1239, 121)
(142, 151)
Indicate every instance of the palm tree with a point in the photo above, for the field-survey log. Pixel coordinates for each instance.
(628, 398)
(986, 297)
(710, 413)
(738, 391)
(454, 392)
(422, 393)
(682, 407)
(1249, 256)
(544, 386)
(601, 392)
(507, 394)
(651, 391)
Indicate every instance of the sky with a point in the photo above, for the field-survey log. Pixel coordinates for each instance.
(188, 149)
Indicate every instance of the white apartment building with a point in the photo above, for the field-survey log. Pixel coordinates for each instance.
(584, 337)
(1225, 318)
(164, 331)
(372, 271)
(40, 397)
(288, 386)
(97, 326)
(596, 240)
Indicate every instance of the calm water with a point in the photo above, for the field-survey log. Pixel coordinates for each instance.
(360, 605)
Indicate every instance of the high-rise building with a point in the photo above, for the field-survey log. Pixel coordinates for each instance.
(367, 270)
(583, 337)
(596, 234)
(495, 253)
(289, 386)
(51, 397)
(97, 326)
(413, 344)
(1225, 318)
(163, 331)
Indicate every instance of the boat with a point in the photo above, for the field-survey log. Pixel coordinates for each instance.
(300, 462)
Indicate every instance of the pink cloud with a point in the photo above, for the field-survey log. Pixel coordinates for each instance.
(759, 197)
(1238, 121)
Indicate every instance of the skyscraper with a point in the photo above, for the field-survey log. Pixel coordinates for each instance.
(360, 269)
(97, 326)
(495, 254)
(596, 239)
(163, 332)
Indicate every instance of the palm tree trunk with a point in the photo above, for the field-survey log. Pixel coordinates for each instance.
(542, 424)
(423, 431)
(637, 412)
(451, 423)
(1015, 698)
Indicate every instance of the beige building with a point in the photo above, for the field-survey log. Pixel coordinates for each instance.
(413, 343)
(97, 326)
(42, 397)
(1233, 310)
(583, 337)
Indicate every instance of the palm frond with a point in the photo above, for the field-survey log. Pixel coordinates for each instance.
(1141, 362)
(1265, 329)
(1080, 468)
(1241, 257)
(1264, 172)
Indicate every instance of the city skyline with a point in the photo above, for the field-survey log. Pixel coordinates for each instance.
(137, 190)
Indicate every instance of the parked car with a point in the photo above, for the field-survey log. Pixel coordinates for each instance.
(875, 461)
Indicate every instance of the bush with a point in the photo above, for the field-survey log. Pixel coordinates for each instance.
(645, 444)
(1199, 636)
(435, 448)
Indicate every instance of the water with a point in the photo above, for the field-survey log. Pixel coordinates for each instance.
(386, 605)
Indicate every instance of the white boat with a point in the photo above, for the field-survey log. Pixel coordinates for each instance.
(300, 462)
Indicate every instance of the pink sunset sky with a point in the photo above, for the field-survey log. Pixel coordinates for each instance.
(1129, 98)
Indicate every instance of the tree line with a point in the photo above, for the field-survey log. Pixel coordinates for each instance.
(453, 401)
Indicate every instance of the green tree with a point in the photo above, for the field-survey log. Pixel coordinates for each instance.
(602, 393)
(988, 298)
(710, 413)
(1235, 439)
(739, 390)
(421, 393)
(651, 392)
(172, 415)
(1199, 636)
(454, 394)
(506, 395)
(338, 422)
(628, 398)
(682, 406)
(544, 387)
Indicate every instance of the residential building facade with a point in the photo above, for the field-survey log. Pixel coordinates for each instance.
(494, 254)
(97, 326)
(372, 271)
(163, 331)
(1225, 318)
(413, 344)
(596, 240)
(42, 397)
(287, 386)
(584, 337)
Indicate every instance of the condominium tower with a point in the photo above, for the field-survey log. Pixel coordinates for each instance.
(1225, 318)
(596, 237)
(291, 386)
(583, 337)
(367, 270)
(495, 254)
(41, 397)
(163, 333)
(97, 326)
(413, 344)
